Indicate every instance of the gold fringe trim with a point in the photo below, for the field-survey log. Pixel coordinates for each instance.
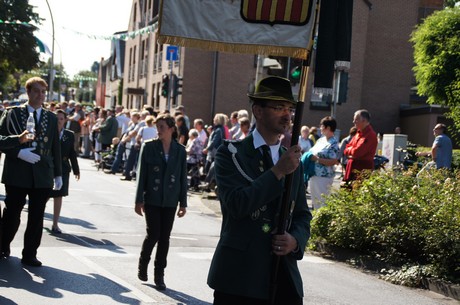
(233, 48)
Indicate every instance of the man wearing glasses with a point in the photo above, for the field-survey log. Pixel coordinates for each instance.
(441, 151)
(361, 149)
(250, 178)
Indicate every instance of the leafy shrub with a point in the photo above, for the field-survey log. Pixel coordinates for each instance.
(397, 218)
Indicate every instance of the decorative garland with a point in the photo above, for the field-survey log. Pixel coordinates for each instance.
(123, 36)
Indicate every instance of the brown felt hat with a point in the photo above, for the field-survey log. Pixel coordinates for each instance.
(273, 88)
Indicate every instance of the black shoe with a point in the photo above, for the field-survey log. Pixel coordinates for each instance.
(32, 262)
(142, 270)
(159, 280)
(56, 230)
(126, 179)
(160, 283)
(109, 172)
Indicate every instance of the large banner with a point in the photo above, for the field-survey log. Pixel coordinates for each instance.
(267, 27)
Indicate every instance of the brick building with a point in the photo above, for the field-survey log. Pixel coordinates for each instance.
(380, 78)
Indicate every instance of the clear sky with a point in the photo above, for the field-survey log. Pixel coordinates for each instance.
(75, 21)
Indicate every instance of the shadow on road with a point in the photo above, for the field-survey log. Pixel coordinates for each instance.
(48, 282)
(180, 297)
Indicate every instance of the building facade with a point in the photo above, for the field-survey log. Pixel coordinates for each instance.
(380, 78)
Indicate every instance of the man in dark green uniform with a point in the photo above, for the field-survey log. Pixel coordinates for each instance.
(250, 178)
(29, 170)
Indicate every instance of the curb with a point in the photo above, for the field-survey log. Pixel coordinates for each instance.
(371, 264)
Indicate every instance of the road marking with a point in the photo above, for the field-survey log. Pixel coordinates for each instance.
(81, 256)
(197, 255)
(315, 260)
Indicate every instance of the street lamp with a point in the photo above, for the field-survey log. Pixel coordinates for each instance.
(50, 92)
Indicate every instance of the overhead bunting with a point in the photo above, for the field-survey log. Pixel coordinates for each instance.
(85, 78)
(124, 36)
(15, 22)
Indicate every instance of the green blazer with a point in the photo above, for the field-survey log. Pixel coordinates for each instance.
(68, 153)
(242, 261)
(162, 183)
(19, 173)
(109, 130)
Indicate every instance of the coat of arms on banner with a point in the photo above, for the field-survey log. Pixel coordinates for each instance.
(292, 12)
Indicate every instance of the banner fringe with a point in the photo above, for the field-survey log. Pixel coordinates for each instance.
(234, 48)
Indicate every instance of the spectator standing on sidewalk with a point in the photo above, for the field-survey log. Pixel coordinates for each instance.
(250, 177)
(161, 187)
(108, 130)
(134, 147)
(69, 163)
(343, 144)
(75, 118)
(441, 150)
(325, 154)
(361, 149)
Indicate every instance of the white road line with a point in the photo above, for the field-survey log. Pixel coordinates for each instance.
(80, 255)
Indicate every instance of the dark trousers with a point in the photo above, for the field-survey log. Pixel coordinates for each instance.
(14, 203)
(121, 148)
(132, 159)
(285, 293)
(159, 225)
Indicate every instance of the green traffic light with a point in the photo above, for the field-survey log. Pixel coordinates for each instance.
(295, 74)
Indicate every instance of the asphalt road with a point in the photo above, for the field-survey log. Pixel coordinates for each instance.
(94, 261)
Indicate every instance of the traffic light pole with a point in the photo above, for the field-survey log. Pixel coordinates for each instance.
(168, 99)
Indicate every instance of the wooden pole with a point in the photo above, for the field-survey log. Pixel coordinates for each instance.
(285, 202)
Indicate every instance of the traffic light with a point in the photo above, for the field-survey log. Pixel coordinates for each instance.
(295, 72)
(165, 85)
(177, 85)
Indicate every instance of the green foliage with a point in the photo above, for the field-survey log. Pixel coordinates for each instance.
(17, 42)
(450, 3)
(437, 59)
(397, 218)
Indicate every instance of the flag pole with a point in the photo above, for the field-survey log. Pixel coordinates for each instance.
(285, 202)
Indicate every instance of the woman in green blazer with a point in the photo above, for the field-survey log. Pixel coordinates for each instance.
(161, 185)
(69, 163)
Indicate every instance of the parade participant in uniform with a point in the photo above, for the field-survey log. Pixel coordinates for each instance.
(30, 170)
(10, 142)
(161, 186)
(250, 191)
(69, 163)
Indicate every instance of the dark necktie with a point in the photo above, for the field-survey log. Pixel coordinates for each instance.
(268, 161)
(35, 119)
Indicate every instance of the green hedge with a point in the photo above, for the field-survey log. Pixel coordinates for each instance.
(399, 219)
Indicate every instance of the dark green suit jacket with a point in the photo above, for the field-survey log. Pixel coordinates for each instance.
(162, 183)
(8, 141)
(242, 261)
(68, 153)
(19, 173)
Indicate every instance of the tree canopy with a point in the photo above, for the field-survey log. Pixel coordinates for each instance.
(17, 41)
(437, 60)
